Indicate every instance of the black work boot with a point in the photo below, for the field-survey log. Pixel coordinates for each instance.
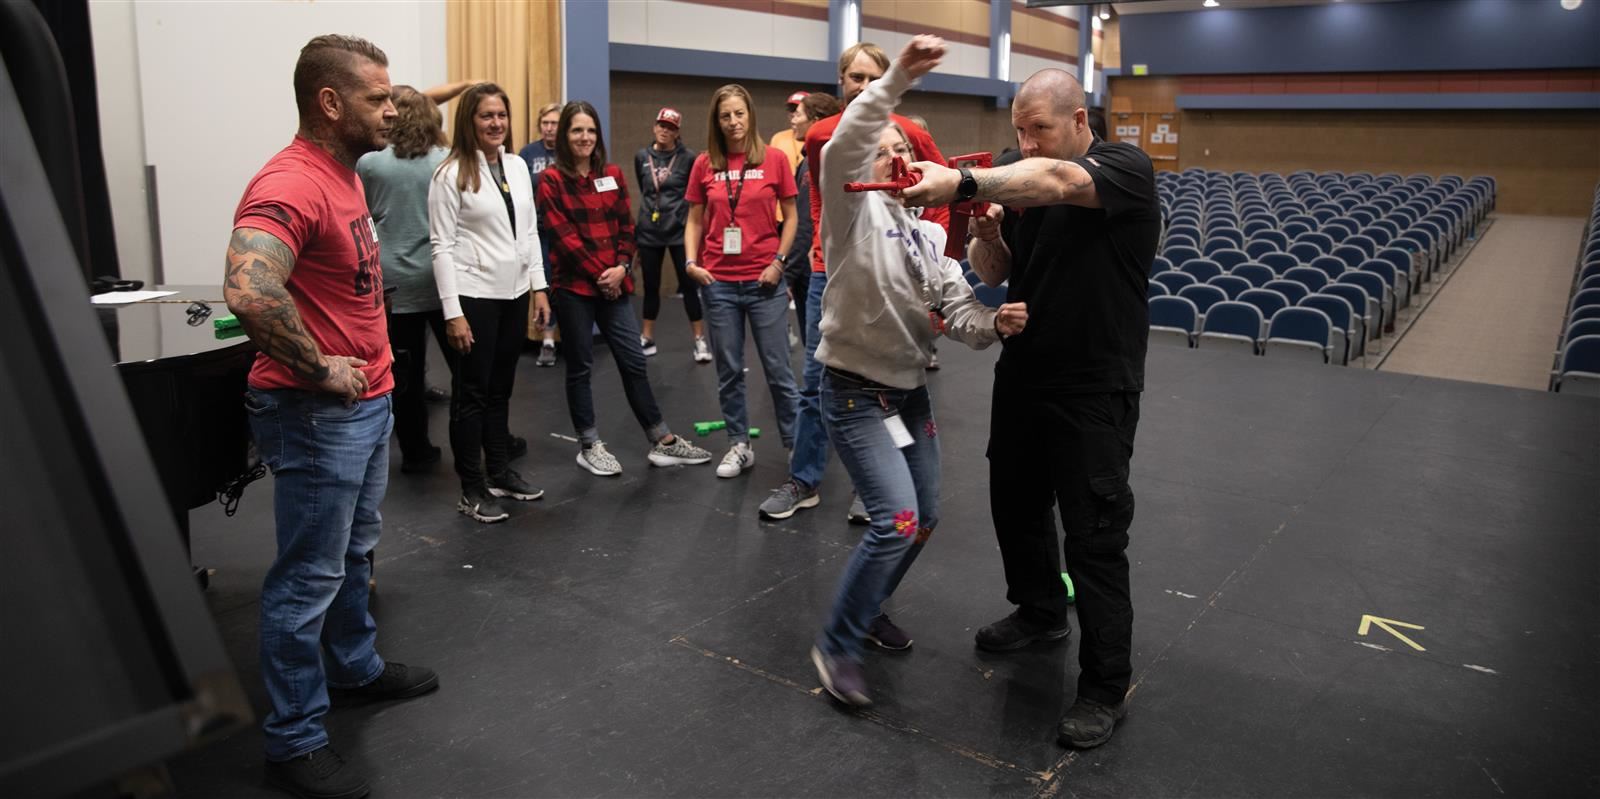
(1089, 723)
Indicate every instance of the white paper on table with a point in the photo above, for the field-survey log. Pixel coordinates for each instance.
(126, 297)
(1172, 138)
(1161, 128)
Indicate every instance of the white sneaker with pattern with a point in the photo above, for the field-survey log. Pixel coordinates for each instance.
(597, 459)
(740, 457)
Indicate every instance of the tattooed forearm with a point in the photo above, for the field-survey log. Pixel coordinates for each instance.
(258, 266)
(1036, 181)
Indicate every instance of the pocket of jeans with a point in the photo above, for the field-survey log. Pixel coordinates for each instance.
(264, 426)
(333, 411)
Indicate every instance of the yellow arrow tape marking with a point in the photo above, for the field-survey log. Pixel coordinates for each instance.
(1367, 620)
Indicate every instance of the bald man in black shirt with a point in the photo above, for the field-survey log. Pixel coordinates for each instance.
(1078, 254)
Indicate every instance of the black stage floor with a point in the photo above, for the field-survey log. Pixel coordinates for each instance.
(647, 635)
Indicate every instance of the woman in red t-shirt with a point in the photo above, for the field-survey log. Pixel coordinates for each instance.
(735, 250)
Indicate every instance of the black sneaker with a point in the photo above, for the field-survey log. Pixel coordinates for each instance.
(1089, 723)
(510, 484)
(517, 448)
(481, 506)
(436, 395)
(842, 678)
(885, 634)
(423, 462)
(1015, 632)
(318, 774)
(398, 681)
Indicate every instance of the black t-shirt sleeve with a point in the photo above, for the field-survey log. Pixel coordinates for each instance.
(1124, 179)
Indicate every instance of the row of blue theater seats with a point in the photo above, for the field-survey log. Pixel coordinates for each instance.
(1577, 361)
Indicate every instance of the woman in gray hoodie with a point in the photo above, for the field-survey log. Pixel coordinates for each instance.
(890, 293)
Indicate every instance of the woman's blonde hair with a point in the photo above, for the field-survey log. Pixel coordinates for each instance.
(755, 151)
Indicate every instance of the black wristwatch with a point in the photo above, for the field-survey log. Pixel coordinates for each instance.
(968, 187)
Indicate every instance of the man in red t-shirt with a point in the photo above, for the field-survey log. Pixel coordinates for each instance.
(304, 279)
(859, 65)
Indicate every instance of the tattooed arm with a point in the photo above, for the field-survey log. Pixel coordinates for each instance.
(1026, 184)
(258, 267)
(1037, 181)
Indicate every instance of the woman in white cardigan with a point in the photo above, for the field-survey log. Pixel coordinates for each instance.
(486, 262)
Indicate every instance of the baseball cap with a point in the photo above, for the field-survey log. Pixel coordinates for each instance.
(669, 116)
(794, 99)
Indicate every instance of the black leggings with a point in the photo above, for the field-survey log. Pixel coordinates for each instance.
(408, 340)
(650, 264)
(480, 399)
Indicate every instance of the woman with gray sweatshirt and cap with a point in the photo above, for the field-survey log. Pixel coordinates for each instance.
(890, 293)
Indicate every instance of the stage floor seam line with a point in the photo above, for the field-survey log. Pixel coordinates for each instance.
(896, 725)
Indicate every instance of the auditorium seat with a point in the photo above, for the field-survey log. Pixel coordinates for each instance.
(1280, 262)
(1257, 274)
(1203, 296)
(1173, 321)
(1313, 278)
(1579, 372)
(1230, 284)
(1342, 340)
(1174, 280)
(1298, 333)
(1376, 289)
(1232, 326)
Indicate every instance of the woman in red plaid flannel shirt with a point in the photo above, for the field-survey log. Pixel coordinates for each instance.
(584, 200)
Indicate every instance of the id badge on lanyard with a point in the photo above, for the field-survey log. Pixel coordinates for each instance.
(732, 240)
(732, 236)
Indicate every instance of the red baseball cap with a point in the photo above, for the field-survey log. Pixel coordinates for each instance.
(669, 116)
(794, 99)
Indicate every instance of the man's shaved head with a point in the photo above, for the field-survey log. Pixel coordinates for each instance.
(1056, 87)
(1050, 117)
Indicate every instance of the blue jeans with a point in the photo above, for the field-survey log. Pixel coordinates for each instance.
(900, 487)
(614, 318)
(330, 465)
(810, 439)
(727, 306)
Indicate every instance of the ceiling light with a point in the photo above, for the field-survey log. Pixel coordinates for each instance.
(1211, 4)
(1105, 11)
(1571, 5)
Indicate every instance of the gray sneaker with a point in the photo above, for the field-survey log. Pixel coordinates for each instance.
(678, 453)
(597, 459)
(858, 511)
(842, 678)
(788, 498)
(547, 354)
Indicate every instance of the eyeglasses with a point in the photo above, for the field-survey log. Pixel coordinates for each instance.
(900, 151)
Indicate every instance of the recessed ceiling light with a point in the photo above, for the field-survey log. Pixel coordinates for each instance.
(1211, 4)
(1105, 12)
(1571, 5)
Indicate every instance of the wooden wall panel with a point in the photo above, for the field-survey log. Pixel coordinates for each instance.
(1545, 162)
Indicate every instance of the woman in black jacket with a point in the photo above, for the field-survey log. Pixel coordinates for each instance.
(662, 171)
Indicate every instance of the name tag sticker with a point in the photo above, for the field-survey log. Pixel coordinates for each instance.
(606, 183)
(897, 431)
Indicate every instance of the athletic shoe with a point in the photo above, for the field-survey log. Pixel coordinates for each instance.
(788, 498)
(858, 511)
(1089, 723)
(885, 634)
(1015, 632)
(794, 340)
(510, 484)
(842, 678)
(597, 459)
(398, 681)
(679, 452)
(481, 506)
(318, 774)
(740, 457)
(702, 350)
(547, 354)
(933, 362)
(649, 345)
(436, 394)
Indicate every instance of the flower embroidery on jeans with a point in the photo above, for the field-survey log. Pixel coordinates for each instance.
(905, 523)
(931, 429)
